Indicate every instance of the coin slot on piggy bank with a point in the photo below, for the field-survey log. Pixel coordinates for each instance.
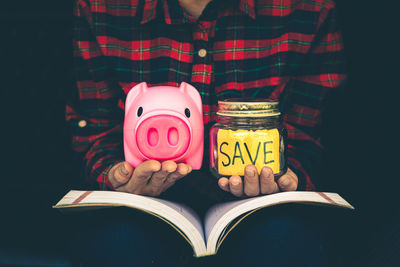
(164, 123)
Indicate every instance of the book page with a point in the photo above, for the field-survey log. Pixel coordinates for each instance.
(219, 216)
(181, 217)
(215, 213)
(187, 212)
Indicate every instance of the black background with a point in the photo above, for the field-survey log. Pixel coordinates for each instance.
(38, 166)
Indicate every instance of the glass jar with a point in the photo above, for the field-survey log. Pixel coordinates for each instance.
(249, 131)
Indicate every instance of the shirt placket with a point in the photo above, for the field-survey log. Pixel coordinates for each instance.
(202, 68)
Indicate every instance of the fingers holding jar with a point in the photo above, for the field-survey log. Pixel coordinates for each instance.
(254, 184)
(289, 181)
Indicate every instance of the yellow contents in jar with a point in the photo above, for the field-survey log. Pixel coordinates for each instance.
(238, 148)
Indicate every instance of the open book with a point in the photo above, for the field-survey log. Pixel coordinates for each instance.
(206, 236)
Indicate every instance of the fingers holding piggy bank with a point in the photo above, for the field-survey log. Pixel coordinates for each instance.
(164, 123)
(148, 178)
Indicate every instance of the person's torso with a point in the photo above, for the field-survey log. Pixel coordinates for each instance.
(227, 53)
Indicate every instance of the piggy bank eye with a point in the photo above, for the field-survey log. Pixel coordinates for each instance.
(139, 111)
(187, 112)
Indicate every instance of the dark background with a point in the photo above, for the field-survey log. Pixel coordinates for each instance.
(38, 167)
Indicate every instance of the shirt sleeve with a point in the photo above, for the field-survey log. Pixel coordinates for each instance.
(95, 119)
(305, 95)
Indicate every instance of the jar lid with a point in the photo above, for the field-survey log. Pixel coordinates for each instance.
(242, 107)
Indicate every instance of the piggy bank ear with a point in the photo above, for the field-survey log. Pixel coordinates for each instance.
(193, 93)
(134, 93)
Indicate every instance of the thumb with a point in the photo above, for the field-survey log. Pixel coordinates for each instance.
(120, 174)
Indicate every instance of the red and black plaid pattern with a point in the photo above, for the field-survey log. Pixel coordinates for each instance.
(288, 50)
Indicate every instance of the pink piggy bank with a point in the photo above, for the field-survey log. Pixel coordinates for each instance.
(164, 123)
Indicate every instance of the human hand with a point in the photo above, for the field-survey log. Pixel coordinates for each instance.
(149, 178)
(254, 184)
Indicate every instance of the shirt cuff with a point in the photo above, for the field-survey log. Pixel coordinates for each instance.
(304, 181)
(102, 179)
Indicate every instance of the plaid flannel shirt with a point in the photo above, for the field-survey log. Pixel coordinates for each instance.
(290, 50)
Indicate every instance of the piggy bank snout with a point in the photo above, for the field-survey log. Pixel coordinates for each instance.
(163, 137)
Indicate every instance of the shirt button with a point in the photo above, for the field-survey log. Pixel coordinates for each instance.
(202, 52)
(82, 123)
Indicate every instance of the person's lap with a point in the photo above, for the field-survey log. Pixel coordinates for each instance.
(124, 237)
(289, 235)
